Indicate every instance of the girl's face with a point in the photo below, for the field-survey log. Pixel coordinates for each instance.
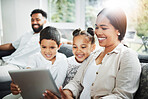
(107, 35)
(82, 47)
(49, 49)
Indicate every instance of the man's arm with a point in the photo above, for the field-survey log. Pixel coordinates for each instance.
(7, 46)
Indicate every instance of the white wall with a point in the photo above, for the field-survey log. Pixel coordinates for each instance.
(16, 17)
(1, 31)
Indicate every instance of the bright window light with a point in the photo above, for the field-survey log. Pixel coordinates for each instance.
(124, 4)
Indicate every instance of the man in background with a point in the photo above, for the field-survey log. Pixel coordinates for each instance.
(25, 46)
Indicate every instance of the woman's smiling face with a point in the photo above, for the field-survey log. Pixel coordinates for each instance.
(107, 35)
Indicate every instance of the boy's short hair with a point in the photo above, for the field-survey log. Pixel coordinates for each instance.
(44, 14)
(50, 33)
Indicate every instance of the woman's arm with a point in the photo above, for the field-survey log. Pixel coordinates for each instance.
(75, 85)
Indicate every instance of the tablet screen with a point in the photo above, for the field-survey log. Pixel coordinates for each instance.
(34, 82)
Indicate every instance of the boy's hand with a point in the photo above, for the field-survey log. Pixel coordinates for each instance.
(65, 94)
(14, 89)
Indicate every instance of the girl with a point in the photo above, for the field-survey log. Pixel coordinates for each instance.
(83, 45)
(48, 58)
(109, 73)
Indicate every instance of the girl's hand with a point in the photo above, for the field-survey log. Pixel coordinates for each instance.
(14, 89)
(65, 94)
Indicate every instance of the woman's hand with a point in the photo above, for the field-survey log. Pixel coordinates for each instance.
(14, 89)
(65, 94)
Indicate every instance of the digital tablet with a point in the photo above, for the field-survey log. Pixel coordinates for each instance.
(34, 82)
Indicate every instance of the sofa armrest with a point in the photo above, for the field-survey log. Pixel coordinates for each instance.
(6, 52)
(4, 89)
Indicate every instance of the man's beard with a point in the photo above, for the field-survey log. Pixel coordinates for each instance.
(37, 30)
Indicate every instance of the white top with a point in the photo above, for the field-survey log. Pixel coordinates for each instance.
(26, 45)
(118, 75)
(58, 69)
(73, 66)
(89, 78)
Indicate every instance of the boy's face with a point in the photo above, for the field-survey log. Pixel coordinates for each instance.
(82, 47)
(49, 49)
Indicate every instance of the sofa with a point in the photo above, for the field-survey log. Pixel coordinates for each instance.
(5, 86)
(142, 92)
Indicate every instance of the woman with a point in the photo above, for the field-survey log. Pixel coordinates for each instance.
(112, 72)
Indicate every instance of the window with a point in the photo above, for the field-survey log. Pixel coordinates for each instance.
(66, 14)
(136, 11)
(71, 14)
(62, 11)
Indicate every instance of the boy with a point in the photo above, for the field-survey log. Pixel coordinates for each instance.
(48, 58)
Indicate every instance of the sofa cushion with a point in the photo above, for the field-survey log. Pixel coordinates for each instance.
(6, 53)
(4, 89)
(142, 92)
(143, 58)
(66, 49)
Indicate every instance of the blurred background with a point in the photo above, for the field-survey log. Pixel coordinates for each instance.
(68, 15)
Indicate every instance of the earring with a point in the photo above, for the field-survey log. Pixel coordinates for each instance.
(118, 34)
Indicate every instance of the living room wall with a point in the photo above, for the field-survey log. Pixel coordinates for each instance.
(16, 17)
